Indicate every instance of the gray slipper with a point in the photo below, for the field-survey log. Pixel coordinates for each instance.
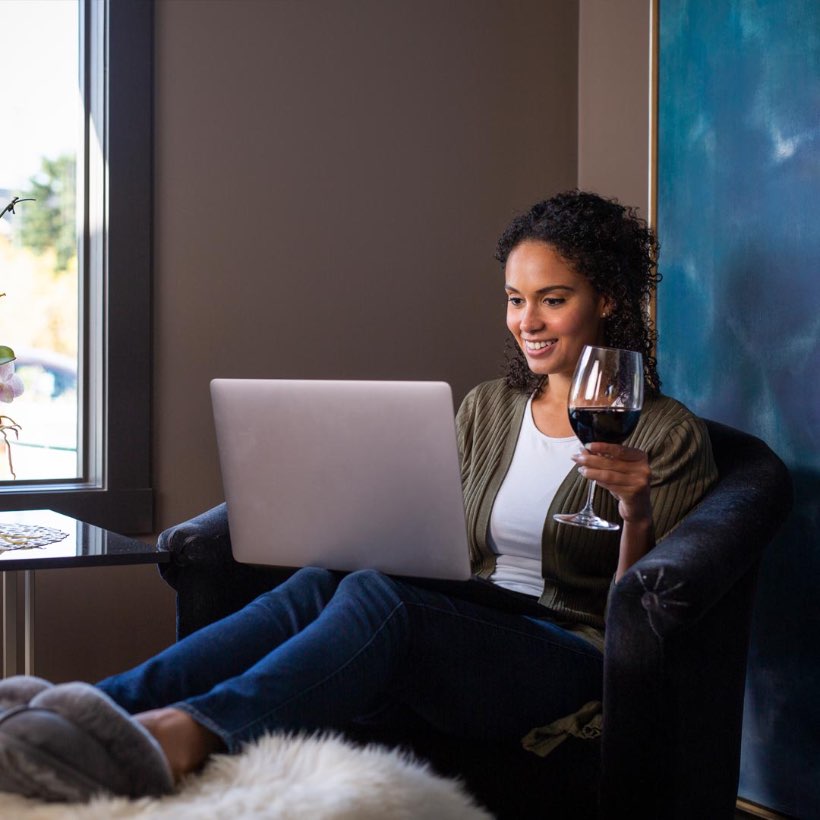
(72, 741)
(16, 691)
(20, 689)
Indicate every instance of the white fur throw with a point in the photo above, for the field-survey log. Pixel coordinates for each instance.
(282, 776)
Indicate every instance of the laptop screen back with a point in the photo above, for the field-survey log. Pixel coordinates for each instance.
(342, 474)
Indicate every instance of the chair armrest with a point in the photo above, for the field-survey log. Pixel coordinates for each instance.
(716, 543)
(202, 541)
(209, 583)
(676, 643)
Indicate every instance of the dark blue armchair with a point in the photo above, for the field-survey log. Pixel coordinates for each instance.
(674, 664)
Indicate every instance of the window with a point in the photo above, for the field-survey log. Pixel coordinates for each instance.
(43, 110)
(88, 372)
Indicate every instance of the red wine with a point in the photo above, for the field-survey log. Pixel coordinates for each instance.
(609, 424)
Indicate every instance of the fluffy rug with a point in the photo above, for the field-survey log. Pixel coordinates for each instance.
(290, 777)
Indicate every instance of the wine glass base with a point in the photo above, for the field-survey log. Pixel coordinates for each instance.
(590, 521)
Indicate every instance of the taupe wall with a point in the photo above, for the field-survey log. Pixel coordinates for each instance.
(331, 176)
(613, 100)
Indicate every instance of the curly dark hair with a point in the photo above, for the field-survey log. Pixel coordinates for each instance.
(615, 250)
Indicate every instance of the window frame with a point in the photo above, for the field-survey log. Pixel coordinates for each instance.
(115, 262)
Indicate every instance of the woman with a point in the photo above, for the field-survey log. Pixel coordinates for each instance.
(325, 649)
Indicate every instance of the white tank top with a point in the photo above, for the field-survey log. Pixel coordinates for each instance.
(539, 465)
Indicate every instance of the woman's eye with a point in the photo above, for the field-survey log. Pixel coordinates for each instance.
(553, 301)
(516, 301)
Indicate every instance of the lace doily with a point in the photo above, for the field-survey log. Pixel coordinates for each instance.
(28, 536)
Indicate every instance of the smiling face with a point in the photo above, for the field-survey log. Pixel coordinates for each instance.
(551, 311)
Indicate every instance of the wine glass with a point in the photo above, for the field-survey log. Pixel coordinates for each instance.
(605, 402)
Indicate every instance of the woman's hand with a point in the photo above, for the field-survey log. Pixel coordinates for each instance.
(625, 472)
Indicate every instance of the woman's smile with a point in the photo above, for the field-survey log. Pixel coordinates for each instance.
(536, 348)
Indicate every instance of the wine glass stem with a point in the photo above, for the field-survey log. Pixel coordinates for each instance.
(588, 506)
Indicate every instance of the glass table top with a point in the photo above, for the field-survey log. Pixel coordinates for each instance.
(43, 539)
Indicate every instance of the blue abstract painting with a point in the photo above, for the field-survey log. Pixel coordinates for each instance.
(739, 321)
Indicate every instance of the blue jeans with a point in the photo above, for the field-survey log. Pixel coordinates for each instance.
(325, 649)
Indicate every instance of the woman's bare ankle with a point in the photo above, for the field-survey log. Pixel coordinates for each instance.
(186, 743)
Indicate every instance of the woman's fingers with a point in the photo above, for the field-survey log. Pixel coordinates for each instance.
(624, 471)
(613, 462)
(616, 451)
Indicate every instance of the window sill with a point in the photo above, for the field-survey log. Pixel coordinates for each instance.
(128, 512)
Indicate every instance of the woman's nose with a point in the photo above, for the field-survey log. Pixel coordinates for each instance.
(531, 318)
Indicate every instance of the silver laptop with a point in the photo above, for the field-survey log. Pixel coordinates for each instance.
(342, 474)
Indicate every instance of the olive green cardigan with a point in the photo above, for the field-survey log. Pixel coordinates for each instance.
(577, 564)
